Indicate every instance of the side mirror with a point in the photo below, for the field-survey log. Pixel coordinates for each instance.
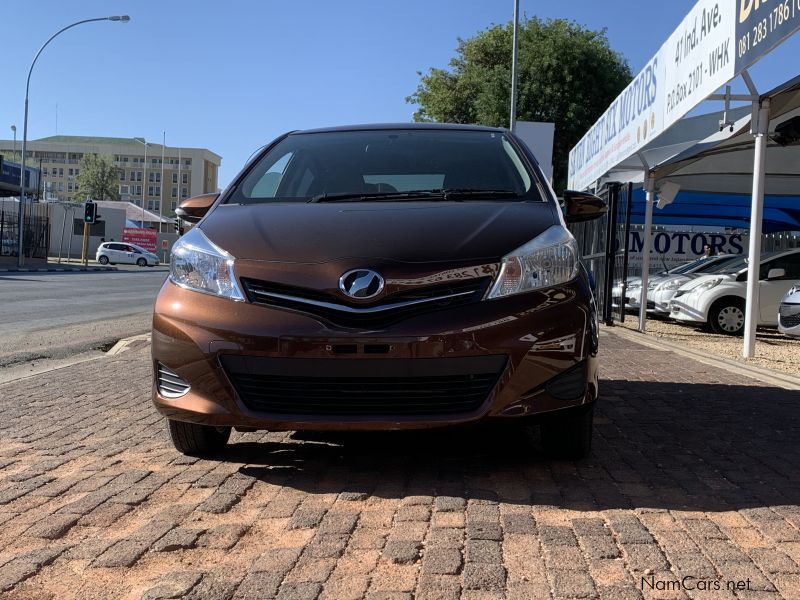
(776, 274)
(582, 206)
(195, 208)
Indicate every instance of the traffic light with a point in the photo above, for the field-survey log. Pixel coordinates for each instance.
(89, 212)
(179, 227)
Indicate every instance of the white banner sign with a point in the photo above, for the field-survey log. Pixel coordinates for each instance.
(702, 57)
(716, 41)
(632, 120)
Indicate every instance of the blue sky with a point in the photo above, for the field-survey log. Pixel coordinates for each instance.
(230, 76)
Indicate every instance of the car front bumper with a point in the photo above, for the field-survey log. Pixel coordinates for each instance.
(685, 308)
(661, 301)
(538, 350)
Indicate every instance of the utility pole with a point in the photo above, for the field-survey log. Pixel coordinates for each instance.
(514, 60)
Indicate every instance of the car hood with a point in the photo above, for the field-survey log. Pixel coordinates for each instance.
(408, 231)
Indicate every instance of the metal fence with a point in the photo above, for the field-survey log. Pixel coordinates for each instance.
(35, 231)
(603, 245)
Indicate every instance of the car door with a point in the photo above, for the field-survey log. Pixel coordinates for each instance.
(130, 255)
(771, 291)
(113, 253)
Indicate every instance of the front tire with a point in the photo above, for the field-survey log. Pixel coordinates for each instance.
(568, 435)
(726, 316)
(142, 262)
(103, 260)
(198, 440)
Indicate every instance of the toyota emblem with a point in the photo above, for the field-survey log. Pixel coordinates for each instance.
(361, 284)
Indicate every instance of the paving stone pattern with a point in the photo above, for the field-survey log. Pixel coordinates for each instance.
(694, 473)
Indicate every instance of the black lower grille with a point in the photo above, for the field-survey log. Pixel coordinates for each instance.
(380, 314)
(790, 315)
(364, 387)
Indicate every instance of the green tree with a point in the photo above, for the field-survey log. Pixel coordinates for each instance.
(567, 75)
(98, 179)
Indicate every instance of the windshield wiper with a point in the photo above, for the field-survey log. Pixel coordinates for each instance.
(379, 197)
(478, 194)
(456, 194)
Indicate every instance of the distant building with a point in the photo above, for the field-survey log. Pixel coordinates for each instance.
(187, 171)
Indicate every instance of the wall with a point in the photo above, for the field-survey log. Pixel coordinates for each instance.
(113, 219)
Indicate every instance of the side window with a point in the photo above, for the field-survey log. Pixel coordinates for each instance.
(267, 186)
(793, 266)
(790, 264)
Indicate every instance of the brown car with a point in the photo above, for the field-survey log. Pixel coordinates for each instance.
(378, 278)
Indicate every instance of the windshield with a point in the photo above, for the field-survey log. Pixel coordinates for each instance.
(686, 267)
(733, 266)
(389, 165)
(721, 266)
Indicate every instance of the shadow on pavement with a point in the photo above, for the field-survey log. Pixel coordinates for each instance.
(669, 445)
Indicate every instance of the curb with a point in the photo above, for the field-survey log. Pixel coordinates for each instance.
(57, 269)
(25, 370)
(123, 344)
(775, 378)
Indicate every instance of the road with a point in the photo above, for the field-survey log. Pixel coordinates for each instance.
(53, 315)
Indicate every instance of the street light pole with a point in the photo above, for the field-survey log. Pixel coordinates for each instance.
(161, 187)
(514, 58)
(14, 129)
(21, 214)
(144, 173)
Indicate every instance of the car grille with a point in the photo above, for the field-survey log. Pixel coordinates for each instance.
(389, 310)
(789, 315)
(169, 384)
(364, 387)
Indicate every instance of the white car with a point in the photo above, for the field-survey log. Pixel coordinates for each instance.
(664, 287)
(789, 312)
(719, 299)
(634, 285)
(126, 254)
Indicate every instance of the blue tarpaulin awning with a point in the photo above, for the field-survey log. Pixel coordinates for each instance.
(781, 213)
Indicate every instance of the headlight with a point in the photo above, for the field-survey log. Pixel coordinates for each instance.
(671, 284)
(706, 285)
(548, 259)
(199, 265)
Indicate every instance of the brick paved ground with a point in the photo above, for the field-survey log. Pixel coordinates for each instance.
(695, 472)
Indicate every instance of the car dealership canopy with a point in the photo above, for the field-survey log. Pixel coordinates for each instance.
(716, 42)
(714, 173)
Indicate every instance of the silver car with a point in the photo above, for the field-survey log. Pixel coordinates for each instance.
(789, 312)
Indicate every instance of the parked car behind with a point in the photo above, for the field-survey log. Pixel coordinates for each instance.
(664, 287)
(125, 254)
(719, 299)
(379, 278)
(633, 291)
(789, 312)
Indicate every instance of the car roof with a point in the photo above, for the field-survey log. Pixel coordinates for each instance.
(401, 126)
